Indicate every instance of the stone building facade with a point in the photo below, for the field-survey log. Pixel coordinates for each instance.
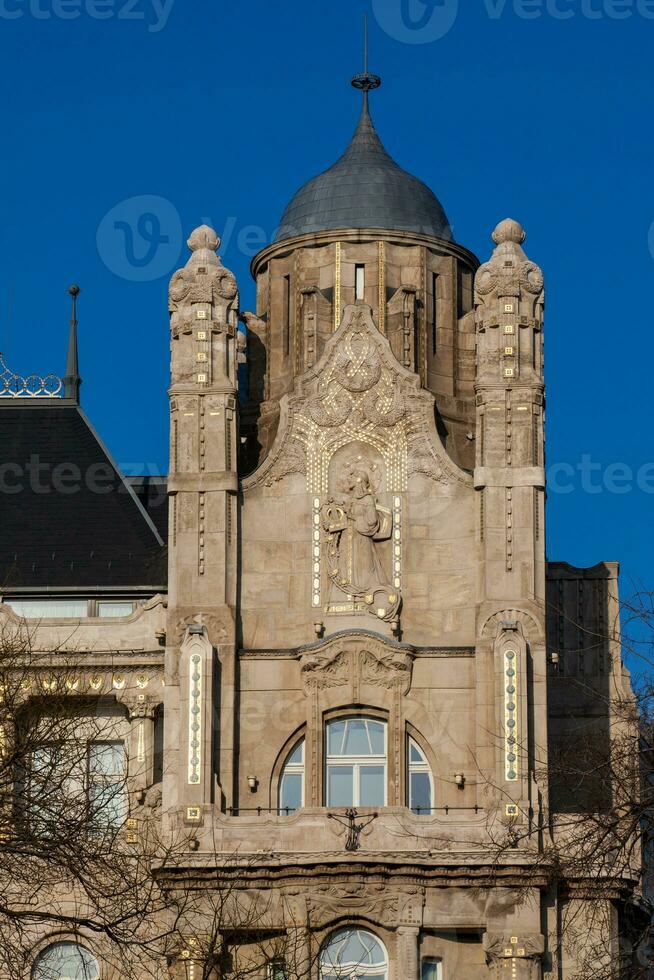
(357, 612)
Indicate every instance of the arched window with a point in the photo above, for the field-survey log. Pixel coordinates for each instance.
(291, 784)
(421, 784)
(353, 954)
(356, 762)
(66, 961)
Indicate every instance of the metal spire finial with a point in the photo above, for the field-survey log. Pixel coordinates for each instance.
(72, 380)
(366, 82)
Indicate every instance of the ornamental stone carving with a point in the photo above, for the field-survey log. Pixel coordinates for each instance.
(204, 280)
(357, 661)
(514, 956)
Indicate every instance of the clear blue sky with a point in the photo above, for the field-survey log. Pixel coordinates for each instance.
(223, 109)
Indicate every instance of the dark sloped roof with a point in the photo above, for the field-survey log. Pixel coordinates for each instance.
(365, 189)
(67, 518)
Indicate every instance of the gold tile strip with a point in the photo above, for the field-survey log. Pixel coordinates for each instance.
(381, 299)
(337, 287)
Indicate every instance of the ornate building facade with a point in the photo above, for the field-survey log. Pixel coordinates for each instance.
(338, 652)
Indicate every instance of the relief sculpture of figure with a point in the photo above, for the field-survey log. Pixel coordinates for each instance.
(354, 524)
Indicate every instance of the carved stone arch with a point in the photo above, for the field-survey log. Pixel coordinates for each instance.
(532, 630)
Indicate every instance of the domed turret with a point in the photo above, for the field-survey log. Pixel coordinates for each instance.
(365, 188)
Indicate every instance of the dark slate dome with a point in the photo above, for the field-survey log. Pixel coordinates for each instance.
(365, 189)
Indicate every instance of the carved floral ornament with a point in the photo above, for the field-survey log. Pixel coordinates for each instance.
(328, 904)
(358, 393)
(357, 662)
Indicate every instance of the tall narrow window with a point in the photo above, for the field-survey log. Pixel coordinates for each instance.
(356, 762)
(291, 785)
(107, 791)
(287, 315)
(421, 788)
(277, 970)
(434, 312)
(359, 282)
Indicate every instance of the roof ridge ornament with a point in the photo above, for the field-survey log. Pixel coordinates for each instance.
(366, 82)
(32, 386)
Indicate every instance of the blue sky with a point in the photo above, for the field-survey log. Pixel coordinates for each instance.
(536, 109)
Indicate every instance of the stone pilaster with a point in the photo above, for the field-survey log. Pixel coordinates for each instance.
(202, 484)
(509, 479)
(409, 952)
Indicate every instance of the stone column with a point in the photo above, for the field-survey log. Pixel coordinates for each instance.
(409, 952)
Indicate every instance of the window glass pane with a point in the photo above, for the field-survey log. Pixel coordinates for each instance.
(109, 609)
(277, 971)
(420, 791)
(353, 953)
(340, 786)
(66, 961)
(430, 970)
(291, 791)
(372, 779)
(335, 731)
(377, 730)
(415, 755)
(356, 738)
(107, 759)
(108, 803)
(296, 758)
(49, 608)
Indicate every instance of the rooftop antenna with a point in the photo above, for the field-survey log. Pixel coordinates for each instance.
(366, 82)
(72, 380)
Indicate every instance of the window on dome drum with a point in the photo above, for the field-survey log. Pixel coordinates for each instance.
(66, 961)
(356, 762)
(434, 312)
(291, 784)
(353, 954)
(431, 970)
(421, 783)
(359, 282)
(287, 315)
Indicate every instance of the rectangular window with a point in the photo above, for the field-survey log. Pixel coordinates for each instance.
(109, 610)
(434, 312)
(49, 608)
(431, 970)
(277, 970)
(359, 282)
(106, 786)
(287, 315)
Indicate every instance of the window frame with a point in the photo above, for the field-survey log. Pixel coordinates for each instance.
(362, 970)
(414, 768)
(292, 769)
(431, 961)
(356, 763)
(55, 942)
(106, 781)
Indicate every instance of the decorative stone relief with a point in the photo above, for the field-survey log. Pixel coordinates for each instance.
(354, 524)
(514, 956)
(204, 280)
(361, 660)
(329, 903)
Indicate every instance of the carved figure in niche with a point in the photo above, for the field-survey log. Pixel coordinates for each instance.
(355, 524)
